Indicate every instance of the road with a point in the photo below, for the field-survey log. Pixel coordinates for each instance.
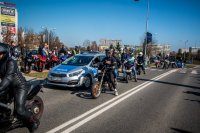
(162, 101)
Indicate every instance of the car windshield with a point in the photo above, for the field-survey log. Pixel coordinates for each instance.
(78, 60)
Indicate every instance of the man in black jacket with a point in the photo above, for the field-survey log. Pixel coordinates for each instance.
(11, 78)
(110, 62)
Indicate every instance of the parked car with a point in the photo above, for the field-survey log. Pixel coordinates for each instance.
(76, 71)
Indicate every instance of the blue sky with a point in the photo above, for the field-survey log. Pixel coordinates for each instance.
(170, 21)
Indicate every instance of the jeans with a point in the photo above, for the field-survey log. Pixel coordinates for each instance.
(133, 71)
(115, 73)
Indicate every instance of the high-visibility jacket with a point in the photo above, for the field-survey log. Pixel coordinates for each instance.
(74, 52)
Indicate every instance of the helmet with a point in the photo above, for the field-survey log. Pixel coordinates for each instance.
(5, 50)
(16, 51)
(140, 53)
(133, 58)
(107, 50)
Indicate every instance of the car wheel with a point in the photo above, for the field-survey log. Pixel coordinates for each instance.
(87, 82)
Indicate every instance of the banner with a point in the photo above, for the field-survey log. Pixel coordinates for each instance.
(8, 20)
(7, 11)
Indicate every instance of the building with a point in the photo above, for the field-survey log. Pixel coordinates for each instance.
(164, 49)
(94, 46)
(105, 43)
(8, 21)
(194, 50)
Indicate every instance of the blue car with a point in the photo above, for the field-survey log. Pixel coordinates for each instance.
(76, 71)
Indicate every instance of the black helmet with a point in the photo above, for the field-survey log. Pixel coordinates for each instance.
(4, 48)
(107, 50)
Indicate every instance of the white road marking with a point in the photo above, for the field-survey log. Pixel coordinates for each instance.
(90, 115)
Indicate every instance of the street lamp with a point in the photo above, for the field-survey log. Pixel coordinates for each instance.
(48, 32)
(147, 18)
(185, 49)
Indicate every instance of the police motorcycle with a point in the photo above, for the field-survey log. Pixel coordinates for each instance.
(34, 104)
(102, 81)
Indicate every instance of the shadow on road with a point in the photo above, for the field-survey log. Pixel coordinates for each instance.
(82, 93)
(192, 92)
(176, 130)
(198, 101)
(78, 91)
(188, 86)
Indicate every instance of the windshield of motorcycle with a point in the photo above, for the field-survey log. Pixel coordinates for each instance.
(78, 60)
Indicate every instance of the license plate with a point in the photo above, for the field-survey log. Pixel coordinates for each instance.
(56, 78)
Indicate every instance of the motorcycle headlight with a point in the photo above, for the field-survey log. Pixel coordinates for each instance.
(76, 73)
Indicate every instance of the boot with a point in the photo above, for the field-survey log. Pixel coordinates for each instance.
(33, 125)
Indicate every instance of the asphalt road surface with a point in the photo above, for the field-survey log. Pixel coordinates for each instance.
(162, 101)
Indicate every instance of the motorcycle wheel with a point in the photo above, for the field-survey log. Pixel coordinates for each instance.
(36, 106)
(136, 79)
(41, 68)
(27, 69)
(95, 91)
(139, 71)
(126, 78)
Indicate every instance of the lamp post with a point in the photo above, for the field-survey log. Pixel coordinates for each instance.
(48, 32)
(147, 18)
(185, 49)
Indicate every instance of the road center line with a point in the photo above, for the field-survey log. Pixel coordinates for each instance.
(114, 101)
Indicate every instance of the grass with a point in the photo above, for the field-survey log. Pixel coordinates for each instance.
(190, 65)
(42, 75)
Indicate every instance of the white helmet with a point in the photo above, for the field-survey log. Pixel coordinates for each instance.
(133, 58)
(140, 53)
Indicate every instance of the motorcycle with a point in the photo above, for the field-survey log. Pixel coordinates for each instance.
(63, 57)
(40, 63)
(129, 71)
(139, 67)
(157, 63)
(28, 63)
(165, 64)
(53, 61)
(129, 74)
(102, 82)
(34, 104)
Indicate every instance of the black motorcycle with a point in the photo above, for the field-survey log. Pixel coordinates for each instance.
(28, 64)
(102, 82)
(139, 68)
(34, 104)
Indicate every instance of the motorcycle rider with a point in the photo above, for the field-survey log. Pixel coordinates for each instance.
(117, 66)
(63, 50)
(124, 58)
(141, 61)
(166, 62)
(131, 63)
(11, 78)
(110, 62)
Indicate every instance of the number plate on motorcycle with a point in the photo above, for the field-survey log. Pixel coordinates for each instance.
(56, 79)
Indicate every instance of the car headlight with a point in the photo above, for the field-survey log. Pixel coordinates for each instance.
(76, 73)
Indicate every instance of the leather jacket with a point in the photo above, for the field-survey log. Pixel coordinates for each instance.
(10, 75)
